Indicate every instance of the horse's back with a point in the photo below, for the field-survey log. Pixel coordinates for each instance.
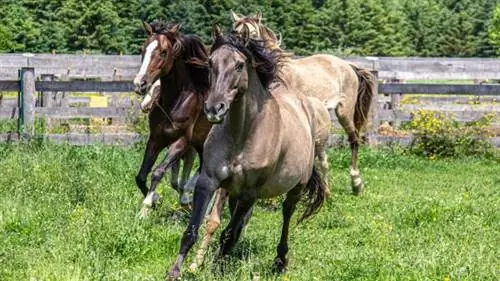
(326, 77)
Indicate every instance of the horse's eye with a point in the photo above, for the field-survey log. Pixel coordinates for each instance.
(163, 54)
(239, 67)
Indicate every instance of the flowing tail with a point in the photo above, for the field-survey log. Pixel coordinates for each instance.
(366, 91)
(315, 193)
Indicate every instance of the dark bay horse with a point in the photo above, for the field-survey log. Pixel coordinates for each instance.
(182, 183)
(179, 62)
(264, 143)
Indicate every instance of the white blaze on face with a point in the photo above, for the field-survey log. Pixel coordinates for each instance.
(147, 102)
(145, 63)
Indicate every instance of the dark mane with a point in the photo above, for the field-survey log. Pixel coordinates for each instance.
(264, 60)
(190, 49)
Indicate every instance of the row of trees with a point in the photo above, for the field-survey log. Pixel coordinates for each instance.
(343, 27)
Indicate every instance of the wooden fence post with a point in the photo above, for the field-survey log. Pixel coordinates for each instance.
(47, 97)
(374, 122)
(28, 100)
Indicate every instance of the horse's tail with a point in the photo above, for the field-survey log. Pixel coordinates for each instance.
(315, 193)
(366, 91)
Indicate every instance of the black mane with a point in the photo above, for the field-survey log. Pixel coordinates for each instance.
(265, 61)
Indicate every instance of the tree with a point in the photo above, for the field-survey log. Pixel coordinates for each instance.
(18, 27)
(494, 31)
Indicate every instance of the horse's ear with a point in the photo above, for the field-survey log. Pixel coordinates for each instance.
(235, 17)
(258, 17)
(147, 27)
(175, 28)
(216, 32)
(245, 34)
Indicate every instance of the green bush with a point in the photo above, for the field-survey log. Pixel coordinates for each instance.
(437, 135)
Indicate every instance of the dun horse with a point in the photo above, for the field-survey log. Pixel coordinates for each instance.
(344, 87)
(176, 121)
(263, 145)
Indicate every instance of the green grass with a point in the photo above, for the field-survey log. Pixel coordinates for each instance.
(69, 213)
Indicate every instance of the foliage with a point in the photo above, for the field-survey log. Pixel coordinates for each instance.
(494, 32)
(438, 135)
(69, 213)
(354, 27)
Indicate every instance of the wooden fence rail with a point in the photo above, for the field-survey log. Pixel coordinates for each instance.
(26, 108)
(108, 67)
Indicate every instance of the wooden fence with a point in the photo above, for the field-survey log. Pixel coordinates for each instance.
(111, 75)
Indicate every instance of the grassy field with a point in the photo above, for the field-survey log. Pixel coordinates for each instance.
(69, 213)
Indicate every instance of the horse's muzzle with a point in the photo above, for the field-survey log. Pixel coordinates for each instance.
(215, 114)
(141, 88)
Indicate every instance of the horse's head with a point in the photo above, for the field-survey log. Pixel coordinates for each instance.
(232, 61)
(256, 28)
(158, 54)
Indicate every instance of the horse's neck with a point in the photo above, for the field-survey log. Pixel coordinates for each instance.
(174, 84)
(246, 108)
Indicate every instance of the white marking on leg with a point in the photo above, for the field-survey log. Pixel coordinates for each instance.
(149, 200)
(145, 63)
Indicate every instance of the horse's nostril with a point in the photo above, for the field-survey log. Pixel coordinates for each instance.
(220, 107)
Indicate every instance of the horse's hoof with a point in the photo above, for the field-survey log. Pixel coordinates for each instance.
(144, 213)
(184, 200)
(193, 267)
(279, 266)
(357, 189)
(173, 274)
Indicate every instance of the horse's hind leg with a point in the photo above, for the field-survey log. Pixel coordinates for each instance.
(322, 164)
(174, 174)
(188, 162)
(289, 206)
(239, 217)
(347, 122)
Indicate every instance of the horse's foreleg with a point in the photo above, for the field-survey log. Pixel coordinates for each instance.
(153, 148)
(175, 152)
(205, 187)
(211, 226)
(242, 207)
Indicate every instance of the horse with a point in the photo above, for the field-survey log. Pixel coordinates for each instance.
(176, 121)
(343, 86)
(263, 143)
(181, 183)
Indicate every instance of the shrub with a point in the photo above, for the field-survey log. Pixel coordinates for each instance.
(437, 135)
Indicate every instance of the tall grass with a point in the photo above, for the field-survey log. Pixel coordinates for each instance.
(69, 213)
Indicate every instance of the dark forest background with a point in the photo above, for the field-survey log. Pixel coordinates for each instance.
(468, 28)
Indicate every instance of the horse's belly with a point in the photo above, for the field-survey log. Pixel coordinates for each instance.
(277, 185)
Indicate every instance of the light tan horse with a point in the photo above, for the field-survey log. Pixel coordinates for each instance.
(344, 87)
(263, 143)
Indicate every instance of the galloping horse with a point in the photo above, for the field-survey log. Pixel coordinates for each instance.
(263, 144)
(344, 87)
(182, 184)
(176, 121)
